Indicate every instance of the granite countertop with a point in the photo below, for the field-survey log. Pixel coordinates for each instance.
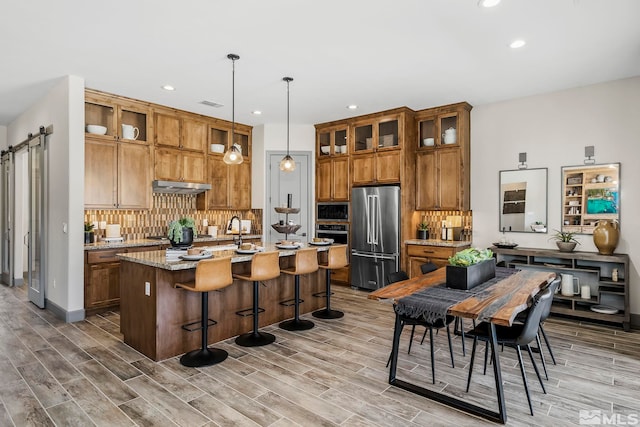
(159, 259)
(438, 242)
(155, 242)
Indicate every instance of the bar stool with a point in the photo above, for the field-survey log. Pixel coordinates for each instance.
(211, 275)
(264, 266)
(336, 258)
(306, 261)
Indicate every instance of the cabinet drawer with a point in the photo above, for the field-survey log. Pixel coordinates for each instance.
(430, 251)
(109, 255)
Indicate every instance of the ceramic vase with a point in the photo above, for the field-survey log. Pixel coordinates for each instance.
(606, 235)
(566, 246)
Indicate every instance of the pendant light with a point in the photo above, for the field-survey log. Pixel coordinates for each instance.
(233, 156)
(287, 164)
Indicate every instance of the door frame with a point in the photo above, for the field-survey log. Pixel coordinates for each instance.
(310, 188)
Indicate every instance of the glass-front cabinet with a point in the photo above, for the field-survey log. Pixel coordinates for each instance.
(438, 130)
(109, 117)
(332, 142)
(379, 134)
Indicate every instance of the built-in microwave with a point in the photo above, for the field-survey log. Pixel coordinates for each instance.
(332, 211)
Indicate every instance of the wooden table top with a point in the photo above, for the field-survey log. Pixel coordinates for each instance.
(504, 301)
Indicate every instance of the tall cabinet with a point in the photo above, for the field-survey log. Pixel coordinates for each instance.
(332, 164)
(443, 158)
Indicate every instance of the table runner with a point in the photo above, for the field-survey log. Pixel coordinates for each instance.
(433, 303)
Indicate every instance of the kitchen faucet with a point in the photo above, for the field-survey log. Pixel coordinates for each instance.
(239, 243)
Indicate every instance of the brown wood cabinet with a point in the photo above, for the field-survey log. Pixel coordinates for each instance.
(332, 180)
(112, 111)
(420, 254)
(117, 175)
(102, 277)
(177, 130)
(443, 158)
(179, 165)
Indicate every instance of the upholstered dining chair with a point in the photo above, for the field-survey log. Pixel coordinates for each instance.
(517, 336)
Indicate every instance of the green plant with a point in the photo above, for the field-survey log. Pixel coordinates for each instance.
(564, 236)
(470, 256)
(175, 228)
(424, 226)
(88, 227)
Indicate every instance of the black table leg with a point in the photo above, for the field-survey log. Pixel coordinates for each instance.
(497, 373)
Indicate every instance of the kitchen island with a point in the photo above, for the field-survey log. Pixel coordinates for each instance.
(152, 311)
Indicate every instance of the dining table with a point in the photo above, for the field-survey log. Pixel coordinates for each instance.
(497, 301)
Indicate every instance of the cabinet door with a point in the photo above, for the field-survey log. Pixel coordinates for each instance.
(218, 177)
(363, 169)
(103, 285)
(167, 164)
(193, 166)
(414, 266)
(134, 180)
(426, 181)
(240, 186)
(388, 166)
(450, 179)
(340, 179)
(100, 174)
(167, 130)
(194, 135)
(323, 180)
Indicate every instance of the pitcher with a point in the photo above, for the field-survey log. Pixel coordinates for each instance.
(130, 132)
(570, 285)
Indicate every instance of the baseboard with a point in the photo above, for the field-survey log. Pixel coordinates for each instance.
(62, 314)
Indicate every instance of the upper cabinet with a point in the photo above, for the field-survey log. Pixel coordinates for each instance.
(175, 130)
(120, 118)
(332, 166)
(442, 158)
(332, 141)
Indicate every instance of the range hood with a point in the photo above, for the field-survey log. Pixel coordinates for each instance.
(179, 187)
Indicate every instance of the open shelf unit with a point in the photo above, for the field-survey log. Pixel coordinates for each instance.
(591, 269)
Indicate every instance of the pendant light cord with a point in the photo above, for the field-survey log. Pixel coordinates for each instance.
(288, 117)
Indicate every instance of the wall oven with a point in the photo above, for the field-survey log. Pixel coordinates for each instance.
(338, 232)
(332, 211)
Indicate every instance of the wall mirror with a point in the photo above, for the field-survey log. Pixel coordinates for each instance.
(589, 194)
(523, 200)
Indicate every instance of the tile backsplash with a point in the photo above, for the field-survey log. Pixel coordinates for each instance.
(435, 218)
(137, 224)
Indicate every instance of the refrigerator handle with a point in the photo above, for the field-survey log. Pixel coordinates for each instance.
(368, 214)
(376, 217)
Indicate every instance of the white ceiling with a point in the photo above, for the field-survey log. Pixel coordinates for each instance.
(376, 54)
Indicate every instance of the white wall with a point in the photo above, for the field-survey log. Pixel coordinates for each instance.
(62, 107)
(3, 138)
(553, 130)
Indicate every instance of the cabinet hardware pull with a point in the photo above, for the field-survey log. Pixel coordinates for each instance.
(427, 252)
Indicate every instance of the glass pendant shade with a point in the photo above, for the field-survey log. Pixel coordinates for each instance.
(233, 156)
(287, 164)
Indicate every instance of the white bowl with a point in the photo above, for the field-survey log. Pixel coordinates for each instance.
(217, 148)
(97, 129)
(325, 149)
(428, 142)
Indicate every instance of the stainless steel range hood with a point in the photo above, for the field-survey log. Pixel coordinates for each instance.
(178, 187)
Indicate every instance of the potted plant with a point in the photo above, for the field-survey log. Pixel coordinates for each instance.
(423, 230)
(565, 240)
(181, 232)
(88, 232)
(470, 267)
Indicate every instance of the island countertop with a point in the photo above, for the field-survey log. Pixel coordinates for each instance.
(159, 259)
(156, 242)
(438, 242)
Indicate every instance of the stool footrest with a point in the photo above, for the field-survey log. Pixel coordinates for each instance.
(189, 326)
(290, 302)
(322, 294)
(249, 312)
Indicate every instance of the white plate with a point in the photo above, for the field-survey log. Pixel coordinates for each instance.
(324, 243)
(287, 246)
(247, 251)
(203, 255)
(604, 309)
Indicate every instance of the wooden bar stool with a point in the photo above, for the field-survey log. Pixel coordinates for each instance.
(211, 275)
(306, 261)
(264, 266)
(336, 258)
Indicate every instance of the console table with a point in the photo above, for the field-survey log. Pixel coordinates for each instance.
(591, 269)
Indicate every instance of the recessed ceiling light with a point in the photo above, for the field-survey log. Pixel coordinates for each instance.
(517, 44)
(352, 107)
(488, 3)
(256, 112)
(168, 87)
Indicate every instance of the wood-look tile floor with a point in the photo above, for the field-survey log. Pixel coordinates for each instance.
(55, 373)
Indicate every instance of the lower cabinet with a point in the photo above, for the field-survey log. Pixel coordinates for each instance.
(102, 277)
(421, 254)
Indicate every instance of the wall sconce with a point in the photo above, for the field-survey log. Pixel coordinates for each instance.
(589, 153)
(522, 158)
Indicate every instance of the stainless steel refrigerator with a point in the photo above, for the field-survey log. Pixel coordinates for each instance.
(375, 235)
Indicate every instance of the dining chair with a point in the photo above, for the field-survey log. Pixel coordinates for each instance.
(429, 326)
(517, 336)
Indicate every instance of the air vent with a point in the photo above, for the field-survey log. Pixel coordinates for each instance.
(212, 104)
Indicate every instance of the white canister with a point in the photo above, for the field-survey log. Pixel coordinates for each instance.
(585, 292)
(113, 230)
(212, 230)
